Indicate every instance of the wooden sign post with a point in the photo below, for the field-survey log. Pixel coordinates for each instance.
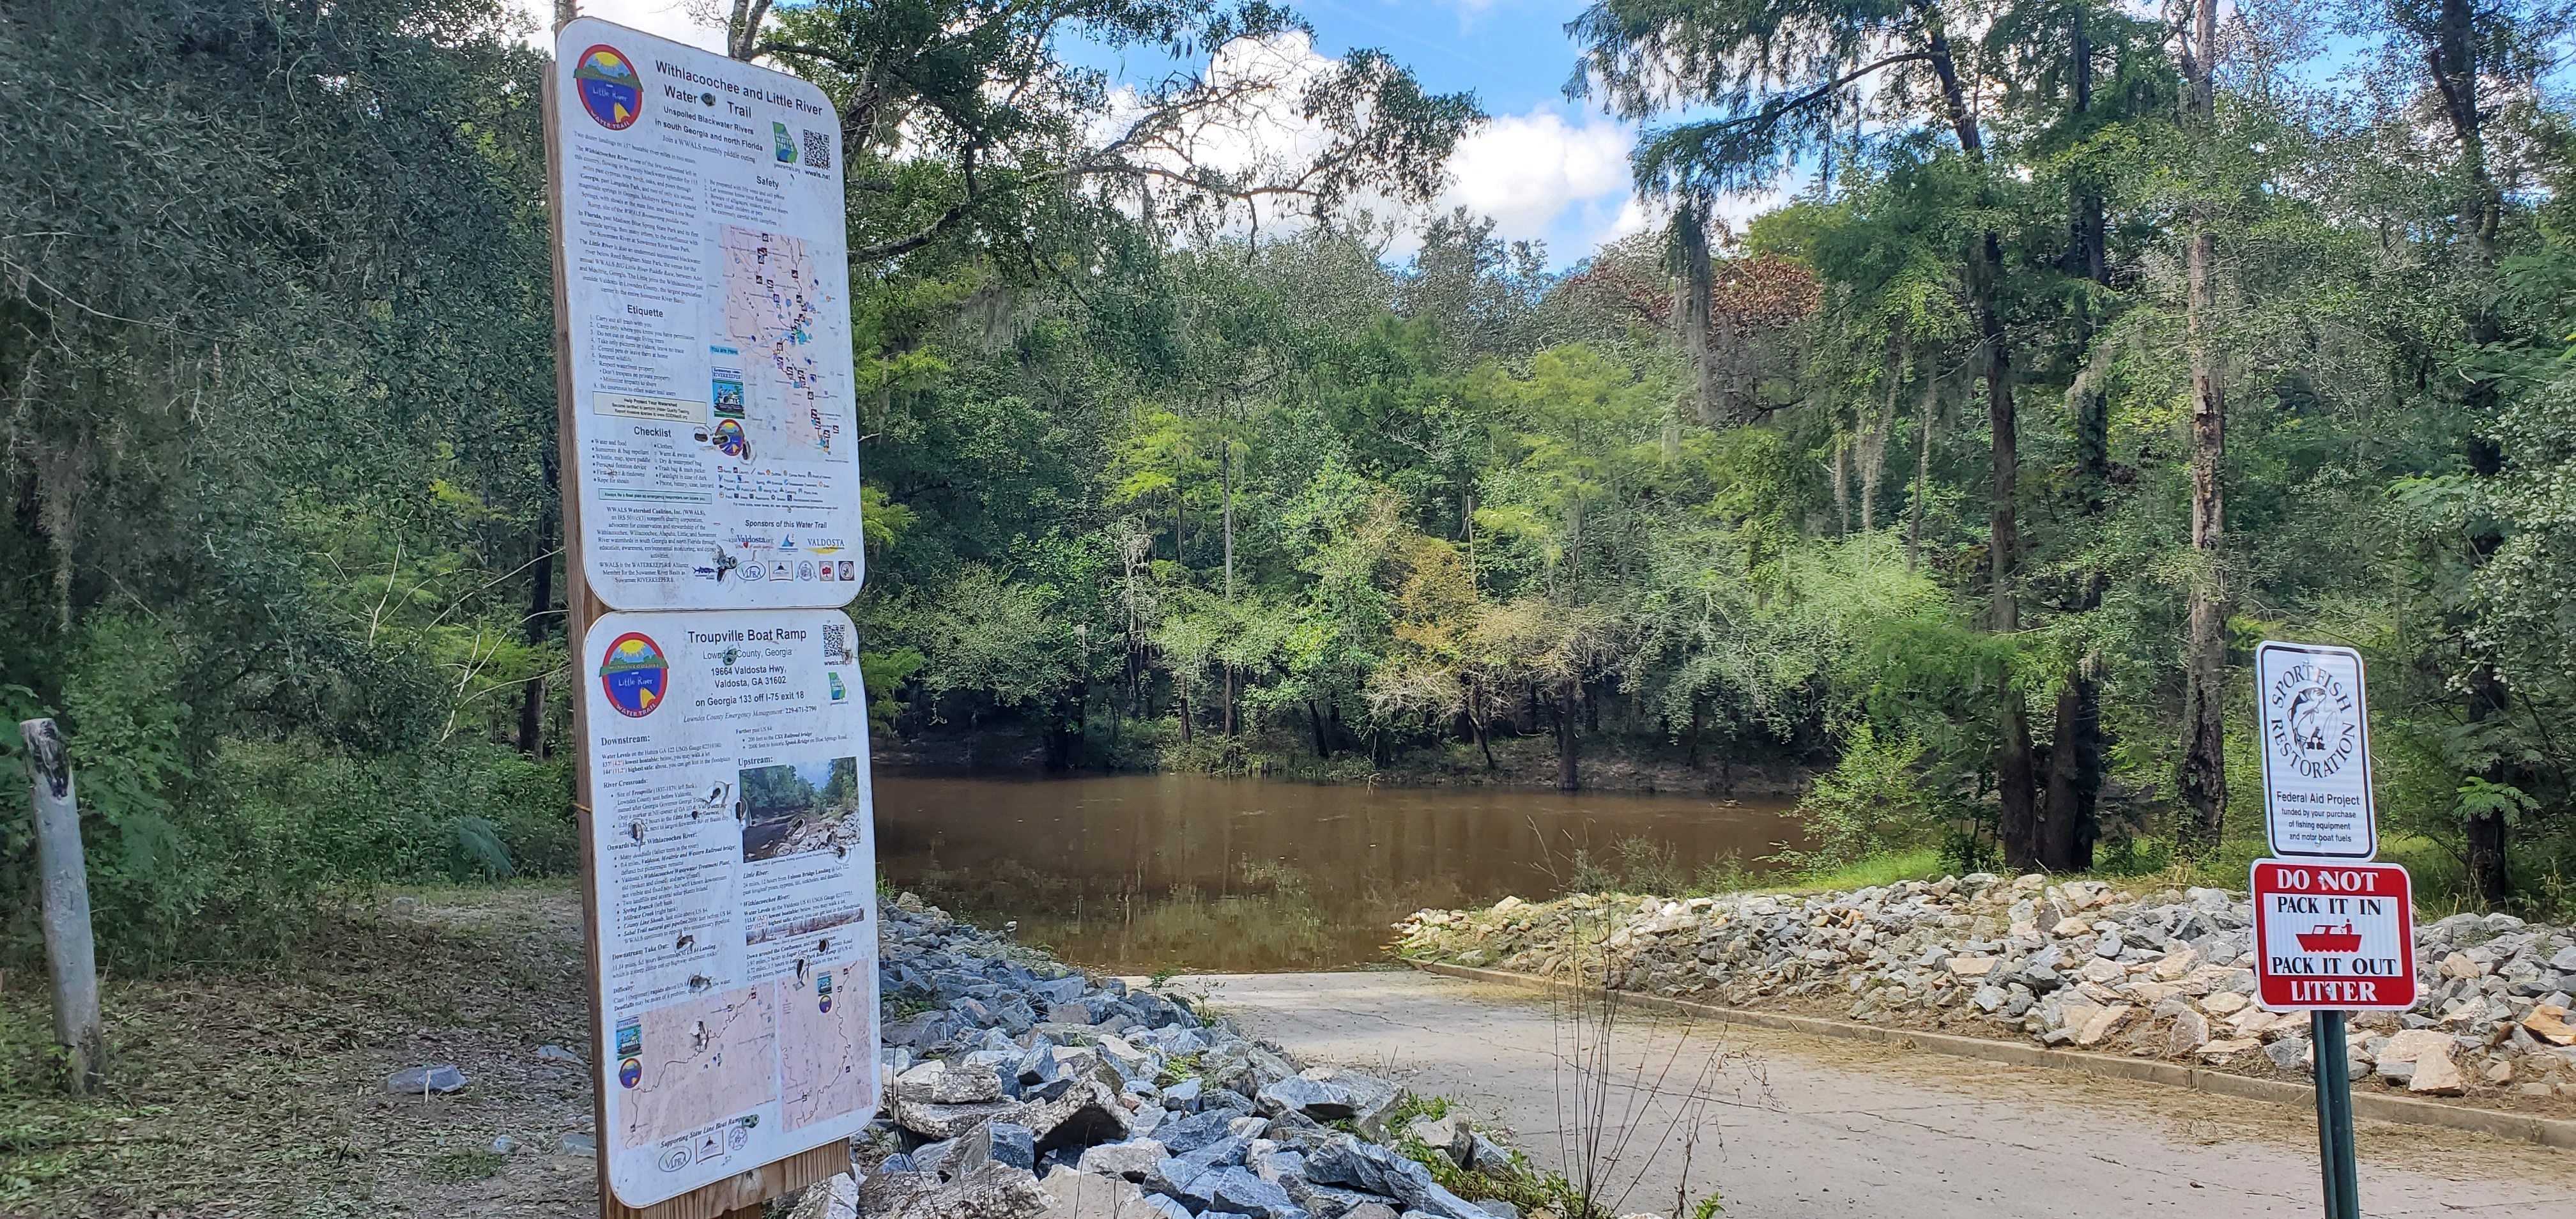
(710, 492)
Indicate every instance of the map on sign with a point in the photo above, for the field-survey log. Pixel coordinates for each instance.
(2333, 936)
(788, 398)
(823, 1073)
(700, 1060)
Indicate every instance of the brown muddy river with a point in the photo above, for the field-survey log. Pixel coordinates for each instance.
(1145, 872)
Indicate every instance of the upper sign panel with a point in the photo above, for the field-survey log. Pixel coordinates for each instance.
(2317, 801)
(706, 290)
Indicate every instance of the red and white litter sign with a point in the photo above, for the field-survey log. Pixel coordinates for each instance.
(2333, 936)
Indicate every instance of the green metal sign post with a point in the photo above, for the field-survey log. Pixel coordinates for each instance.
(2334, 1115)
(2333, 930)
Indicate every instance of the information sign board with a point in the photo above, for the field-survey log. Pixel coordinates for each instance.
(2317, 802)
(705, 299)
(733, 865)
(2333, 936)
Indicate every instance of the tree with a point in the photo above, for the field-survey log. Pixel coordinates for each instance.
(1778, 72)
(2471, 54)
(964, 116)
(2204, 759)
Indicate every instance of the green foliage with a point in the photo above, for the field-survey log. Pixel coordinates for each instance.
(1152, 483)
(1873, 801)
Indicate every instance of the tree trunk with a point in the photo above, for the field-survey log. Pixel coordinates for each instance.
(2454, 60)
(1872, 441)
(2072, 808)
(1181, 705)
(1922, 474)
(1841, 470)
(1566, 778)
(1693, 293)
(2488, 834)
(1476, 724)
(541, 604)
(2017, 814)
(2074, 779)
(2203, 779)
(1323, 745)
(2017, 810)
(2070, 812)
(1229, 560)
(2455, 63)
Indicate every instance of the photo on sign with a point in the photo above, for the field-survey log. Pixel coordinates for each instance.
(795, 807)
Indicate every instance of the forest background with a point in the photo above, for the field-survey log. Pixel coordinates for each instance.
(2095, 345)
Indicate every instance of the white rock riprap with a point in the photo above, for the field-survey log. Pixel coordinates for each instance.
(1020, 1088)
(2076, 964)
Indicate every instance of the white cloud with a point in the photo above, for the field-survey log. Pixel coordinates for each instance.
(1531, 172)
(690, 21)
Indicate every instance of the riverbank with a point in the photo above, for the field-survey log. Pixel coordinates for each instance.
(2164, 974)
(1606, 762)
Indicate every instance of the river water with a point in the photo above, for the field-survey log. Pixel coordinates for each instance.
(1145, 872)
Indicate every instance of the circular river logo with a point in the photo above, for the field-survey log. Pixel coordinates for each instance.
(634, 674)
(2308, 719)
(610, 90)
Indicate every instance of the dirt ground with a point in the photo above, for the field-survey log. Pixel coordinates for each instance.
(261, 1092)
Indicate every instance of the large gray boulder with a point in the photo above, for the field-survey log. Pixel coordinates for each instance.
(1317, 1099)
(994, 1191)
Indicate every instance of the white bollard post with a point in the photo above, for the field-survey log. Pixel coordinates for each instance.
(65, 876)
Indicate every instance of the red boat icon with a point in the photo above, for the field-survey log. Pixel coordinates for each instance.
(2324, 938)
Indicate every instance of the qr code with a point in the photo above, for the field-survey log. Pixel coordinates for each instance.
(836, 643)
(818, 149)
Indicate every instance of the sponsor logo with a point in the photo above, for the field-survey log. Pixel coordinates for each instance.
(610, 89)
(2311, 721)
(634, 675)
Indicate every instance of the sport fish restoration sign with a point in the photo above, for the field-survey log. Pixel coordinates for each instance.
(2316, 752)
(2333, 937)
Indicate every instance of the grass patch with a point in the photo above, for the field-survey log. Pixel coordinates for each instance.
(1180, 1067)
(1924, 863)
(472, 1165)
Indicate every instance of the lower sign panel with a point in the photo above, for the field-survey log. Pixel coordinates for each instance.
(2333, 937)
(733, 848)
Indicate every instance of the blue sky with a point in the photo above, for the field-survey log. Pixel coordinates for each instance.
(1544, 168)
